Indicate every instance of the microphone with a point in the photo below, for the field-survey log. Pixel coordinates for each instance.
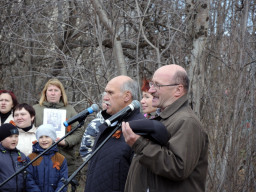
(134, 105)
(82, 115)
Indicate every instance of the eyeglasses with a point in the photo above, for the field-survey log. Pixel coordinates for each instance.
(156, 85)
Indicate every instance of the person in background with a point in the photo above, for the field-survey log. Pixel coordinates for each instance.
(11, 159)
(7, 102)
(54, 97)
(89, 136)
(24, 115)
(108, 168)
(181, 165)
(91, 132)
(146, 101)
(45, 174)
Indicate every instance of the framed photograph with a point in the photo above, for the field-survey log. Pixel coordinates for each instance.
(56, 117)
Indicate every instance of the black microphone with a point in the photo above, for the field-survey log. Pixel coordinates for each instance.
(82, 115)
(134, 105)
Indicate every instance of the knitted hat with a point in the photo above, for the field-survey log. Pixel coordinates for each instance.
(47, 130)
(7, 130)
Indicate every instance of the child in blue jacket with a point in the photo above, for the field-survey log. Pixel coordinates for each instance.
(11, 159)
(45, 174)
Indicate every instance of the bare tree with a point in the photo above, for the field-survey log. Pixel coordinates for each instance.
(86, 43)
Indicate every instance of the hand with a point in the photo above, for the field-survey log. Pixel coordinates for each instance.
(62, 143)
(129, 136)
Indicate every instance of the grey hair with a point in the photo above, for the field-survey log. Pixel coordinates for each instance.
(181, 77)
(131, 86)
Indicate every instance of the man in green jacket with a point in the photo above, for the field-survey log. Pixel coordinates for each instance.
(181, 165)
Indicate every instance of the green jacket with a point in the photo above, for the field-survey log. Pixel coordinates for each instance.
(181, 165)
(71, 149)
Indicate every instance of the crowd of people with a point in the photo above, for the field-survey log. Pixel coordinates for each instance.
(161, 146)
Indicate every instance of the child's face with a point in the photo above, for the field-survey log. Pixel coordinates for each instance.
(45, 141)
(10, 142)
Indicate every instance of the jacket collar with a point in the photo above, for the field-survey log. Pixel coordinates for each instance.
(38, 149)
(171, 109)
(4, 150)
(53, 105)
(104, 126)
(32, 130)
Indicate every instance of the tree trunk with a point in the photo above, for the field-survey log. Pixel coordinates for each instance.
(118, 50)
(199, 17)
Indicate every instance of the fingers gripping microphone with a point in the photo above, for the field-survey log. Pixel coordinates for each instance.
(134, 105)
(82, 115)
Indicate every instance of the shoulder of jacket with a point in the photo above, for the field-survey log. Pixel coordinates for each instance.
(58, 158)
(33, 156)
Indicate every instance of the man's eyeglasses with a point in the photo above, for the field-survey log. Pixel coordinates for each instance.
(156, 85)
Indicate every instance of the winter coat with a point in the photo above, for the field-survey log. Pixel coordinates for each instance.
(179, 167)
(26, 140)
(71, 149)
(109, 167)
(10, 162)
(45, 174)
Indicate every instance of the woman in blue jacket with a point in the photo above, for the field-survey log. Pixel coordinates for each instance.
(45, 174)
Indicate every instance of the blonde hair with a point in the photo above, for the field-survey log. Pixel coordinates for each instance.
(58, 84)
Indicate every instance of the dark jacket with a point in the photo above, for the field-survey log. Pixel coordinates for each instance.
(71, 150)
(181, 166)
(44, 175)
(109, 167)
(10, 162)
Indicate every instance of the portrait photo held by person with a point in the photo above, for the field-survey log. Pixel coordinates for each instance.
(181, 164)
(11, 160)
(7, 102)
(108, 168)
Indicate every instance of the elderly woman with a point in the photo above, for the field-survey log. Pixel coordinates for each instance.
(54, 97)
(7, 102)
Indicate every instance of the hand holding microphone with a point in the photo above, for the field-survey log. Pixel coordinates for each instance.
(82, 115)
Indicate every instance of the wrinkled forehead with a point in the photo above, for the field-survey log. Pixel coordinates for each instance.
(113, 85)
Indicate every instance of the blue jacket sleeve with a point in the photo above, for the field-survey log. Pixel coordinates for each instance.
(64, 174)
(31, 185)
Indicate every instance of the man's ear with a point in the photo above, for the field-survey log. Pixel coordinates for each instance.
(179, 91)
(127, 96)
